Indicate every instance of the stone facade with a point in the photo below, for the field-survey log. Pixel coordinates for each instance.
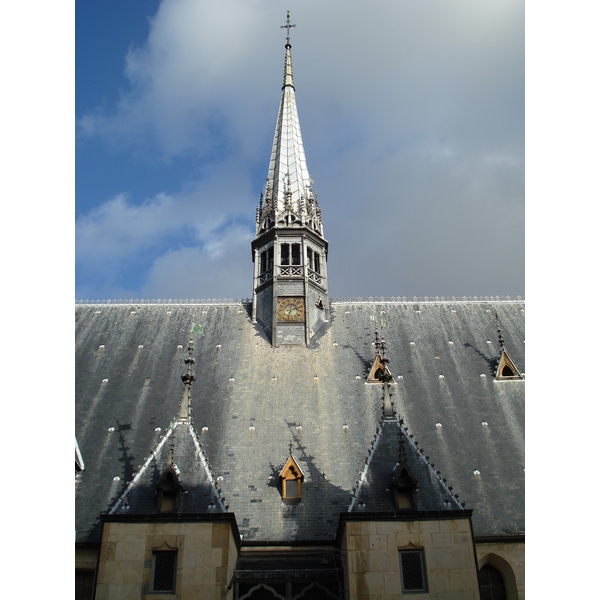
(509, 559)
(206, 557)
(373, 565)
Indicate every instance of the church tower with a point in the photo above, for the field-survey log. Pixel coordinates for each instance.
(289, 250)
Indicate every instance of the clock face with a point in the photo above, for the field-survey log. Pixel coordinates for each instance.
(290, 309)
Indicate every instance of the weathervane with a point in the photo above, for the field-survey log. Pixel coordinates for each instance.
(287, 26)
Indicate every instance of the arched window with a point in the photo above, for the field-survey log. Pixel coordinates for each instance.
(491, 584)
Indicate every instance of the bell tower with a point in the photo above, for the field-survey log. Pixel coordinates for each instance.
(289, 250)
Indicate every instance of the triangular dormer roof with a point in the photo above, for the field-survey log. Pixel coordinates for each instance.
(507, 370)
(291, 470)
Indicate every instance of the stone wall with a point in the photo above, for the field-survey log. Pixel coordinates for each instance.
(509, 559)
(373, 564)
(206, 555)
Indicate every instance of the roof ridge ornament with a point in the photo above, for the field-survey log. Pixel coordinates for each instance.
(500, 338)
(288, 77)
(189, 377)
(288, 27)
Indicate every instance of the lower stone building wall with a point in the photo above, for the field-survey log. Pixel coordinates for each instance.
(206, 556)
(509, 559)
(373, 566)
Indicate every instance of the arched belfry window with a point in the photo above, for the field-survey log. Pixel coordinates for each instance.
(291, 477)
(491, 584)
(266, 260)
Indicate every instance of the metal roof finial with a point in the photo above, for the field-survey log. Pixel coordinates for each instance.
(170, 458)
(500, 338)
(288, 27)
(377, 342)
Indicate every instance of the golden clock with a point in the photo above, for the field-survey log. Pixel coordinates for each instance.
(290, 309)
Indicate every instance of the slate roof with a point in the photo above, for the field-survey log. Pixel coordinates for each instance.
(374, 492)
(200, 494)
(251, 400)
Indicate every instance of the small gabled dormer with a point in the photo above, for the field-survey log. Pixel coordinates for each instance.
(291, 477)
(404, 487)
(168, 491)
(507, 370)
(404, 483)
(380, 372)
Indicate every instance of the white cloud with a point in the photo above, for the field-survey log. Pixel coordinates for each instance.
(197, 273)
(412, 117)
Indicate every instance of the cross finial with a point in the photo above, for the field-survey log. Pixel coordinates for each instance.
(287, 26)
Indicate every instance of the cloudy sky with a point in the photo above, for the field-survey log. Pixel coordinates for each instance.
(413, 122)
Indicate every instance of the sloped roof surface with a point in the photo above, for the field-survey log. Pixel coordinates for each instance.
(198, 494)
(374, 493)
(251, 400)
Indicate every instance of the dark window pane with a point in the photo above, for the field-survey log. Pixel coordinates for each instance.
(291, 489)
(263, 261)
(412, 571)
(164, 571)
(491, 584)
(295, 254)
(285, 254)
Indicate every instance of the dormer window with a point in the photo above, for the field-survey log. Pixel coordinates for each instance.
(379, 372)
(507, 369)
(404, 483)
(168, 488)
(404, 486)
(291, 477)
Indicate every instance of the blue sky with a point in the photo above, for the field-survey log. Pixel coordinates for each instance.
(413, 122)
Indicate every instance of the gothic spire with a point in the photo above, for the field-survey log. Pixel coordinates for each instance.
(288, 176)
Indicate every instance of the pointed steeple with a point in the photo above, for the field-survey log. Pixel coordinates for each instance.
(288, 177)
(290, 299)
